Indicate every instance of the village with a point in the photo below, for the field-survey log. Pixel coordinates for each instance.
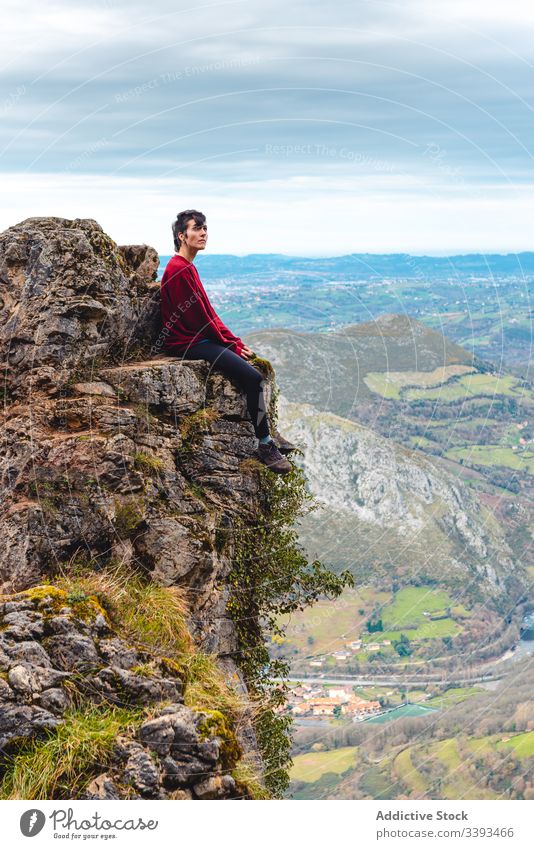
(350, 649)
(306, 700)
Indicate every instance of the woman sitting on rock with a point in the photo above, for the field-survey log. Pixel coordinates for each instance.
(194, 331)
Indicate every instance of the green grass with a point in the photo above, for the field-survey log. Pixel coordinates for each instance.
(470, 385)
(334, 624)
(421, 441)
(328, 621)
(453, 696)
(154, 619)
(481, 745)
(447, 752)
(398, 713)
(408, 774)
(495, 455)
(207, 688)
(457, 783)
(408, 608)
(249, 779)
(390, 384)
(411, 602)
(522, 744)
(60, 766)
(427, 630)
(151, 616)
(377, 784)
(148, 463)
(373, 693)
(311, 766)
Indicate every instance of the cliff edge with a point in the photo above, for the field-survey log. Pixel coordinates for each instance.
(131, 500)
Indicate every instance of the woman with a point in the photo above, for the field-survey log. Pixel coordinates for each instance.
(192, 330)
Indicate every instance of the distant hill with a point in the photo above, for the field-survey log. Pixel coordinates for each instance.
(328, 370)
(410, 382)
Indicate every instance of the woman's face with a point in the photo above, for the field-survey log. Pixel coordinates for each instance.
(196, 235)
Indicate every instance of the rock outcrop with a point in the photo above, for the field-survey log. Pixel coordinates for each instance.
(121, 457)
(56, 652)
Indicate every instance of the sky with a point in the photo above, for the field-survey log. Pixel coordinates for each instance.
(368, 126)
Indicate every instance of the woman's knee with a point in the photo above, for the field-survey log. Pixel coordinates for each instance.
(257, 382)
(252, 377)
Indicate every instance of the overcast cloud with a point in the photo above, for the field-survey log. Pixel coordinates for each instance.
(372, 126)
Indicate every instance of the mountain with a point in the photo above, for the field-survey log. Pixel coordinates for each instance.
(132, 654)
(412, 384)
(415, 452)
(329, 370)
(385, 504)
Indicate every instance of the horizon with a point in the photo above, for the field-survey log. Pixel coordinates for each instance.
(364, 253)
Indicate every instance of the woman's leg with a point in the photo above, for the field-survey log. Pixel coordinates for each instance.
(245, 375)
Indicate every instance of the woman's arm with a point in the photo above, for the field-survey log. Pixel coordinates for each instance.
(229, 336)
(194, 311)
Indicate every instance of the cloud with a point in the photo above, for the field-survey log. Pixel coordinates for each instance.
(299, 216)
(375, 96)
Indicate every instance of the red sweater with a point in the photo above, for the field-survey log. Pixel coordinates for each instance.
(186, 312)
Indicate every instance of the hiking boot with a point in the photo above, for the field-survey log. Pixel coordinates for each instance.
(283, 444)
(270, 455)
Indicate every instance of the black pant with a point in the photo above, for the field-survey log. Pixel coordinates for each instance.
(245, 375)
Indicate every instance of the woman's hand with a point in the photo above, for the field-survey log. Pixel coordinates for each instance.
(246, 353)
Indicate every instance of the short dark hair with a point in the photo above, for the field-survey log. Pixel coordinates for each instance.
(180, 225)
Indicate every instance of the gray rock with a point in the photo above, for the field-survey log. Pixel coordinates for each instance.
(101, 624)
(95, 387)
(158, 734)
(6, 693)
(48, 677)
(23, 624)
(142, 773)
(101, 787)
(116, 653)
(16, 606)
(215, 787)
(88, 391)
(64, 624)
(72, 651)
(29, 652)
(181, 795)
(24, 721)
(183, 773)
(126, 687)
(22, 681)
(54, 700)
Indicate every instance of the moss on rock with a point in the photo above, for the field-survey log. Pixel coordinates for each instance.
(213, 723)
(82, 605)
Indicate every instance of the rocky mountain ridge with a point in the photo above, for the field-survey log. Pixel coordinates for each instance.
(117, 463)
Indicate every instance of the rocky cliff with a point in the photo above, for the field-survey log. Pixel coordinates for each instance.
(384, 503)
(124, 474)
